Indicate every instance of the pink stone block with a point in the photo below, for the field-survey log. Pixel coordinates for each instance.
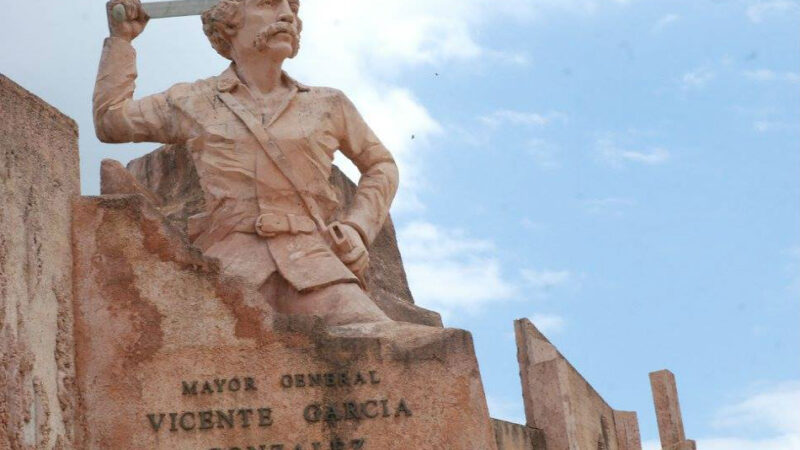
(627, 428)
(668, 409)
(560, 402)
(38, 178)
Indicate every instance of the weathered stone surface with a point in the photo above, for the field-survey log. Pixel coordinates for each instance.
(115, 179)
(685, 445)
(154, 313)
(513, 436)
(38, 177)
(668, 409)
(169, 173)
(558, 400)
(627, 427)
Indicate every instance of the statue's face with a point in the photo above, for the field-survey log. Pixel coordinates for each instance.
(271, 28)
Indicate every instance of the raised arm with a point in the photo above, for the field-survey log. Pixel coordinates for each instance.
(117, 117)
(379, 176)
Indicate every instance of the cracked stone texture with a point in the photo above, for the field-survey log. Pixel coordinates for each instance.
(154, 312)
(168, 178)
(38, 178)
(560, 402)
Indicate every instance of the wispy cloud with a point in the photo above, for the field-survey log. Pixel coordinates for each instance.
(546, 279)
(771, 414)
(772, 409)
(521, 118)
(544, 153)
(761, 10)
(664, 22)
(765, 75)
(549, 324)
(611, 151)
(766, 126)
(614, 206)
(450, 271)
(697, 78)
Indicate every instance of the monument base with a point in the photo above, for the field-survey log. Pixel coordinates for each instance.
(172, 355)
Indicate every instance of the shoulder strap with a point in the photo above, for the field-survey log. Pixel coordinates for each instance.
(274, 152)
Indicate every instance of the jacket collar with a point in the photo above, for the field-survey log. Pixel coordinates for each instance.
(228, 81)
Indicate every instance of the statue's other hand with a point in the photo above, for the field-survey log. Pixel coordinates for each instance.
(357, 258)
(128, 25)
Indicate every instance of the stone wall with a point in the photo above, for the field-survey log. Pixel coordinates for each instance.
(560, 402)
(38, 177)
(513, 436)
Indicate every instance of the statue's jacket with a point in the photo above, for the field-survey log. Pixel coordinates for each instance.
(240, 182)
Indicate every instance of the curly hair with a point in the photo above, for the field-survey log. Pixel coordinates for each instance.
(221, 22)
(224, 20)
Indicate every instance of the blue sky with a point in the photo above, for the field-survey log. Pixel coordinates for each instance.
(624, 173)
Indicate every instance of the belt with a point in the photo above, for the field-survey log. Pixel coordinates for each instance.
(272, 224)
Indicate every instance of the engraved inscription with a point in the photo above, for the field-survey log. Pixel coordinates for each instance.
(352, 410)
(245, 418)
(339, 379)
(218, 386)
(206, 420)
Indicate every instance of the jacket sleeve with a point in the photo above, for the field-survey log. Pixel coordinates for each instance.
(379, 176)
(117, 117)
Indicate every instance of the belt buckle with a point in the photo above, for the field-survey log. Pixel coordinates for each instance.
(259, 224)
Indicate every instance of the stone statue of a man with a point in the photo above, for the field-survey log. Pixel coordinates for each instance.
(263, 145)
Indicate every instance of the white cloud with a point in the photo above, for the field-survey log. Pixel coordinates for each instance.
(765, 126)
(613, 153)
(546, 279)
(364, 57)
(665, 21)
(765, 75)
(765, 420)
(521, 118)
(759, 11)
(548, 324)
(697, 78)
(360, 46)
(544, 153)
(449, 271)
(773, 409)
(614, 206)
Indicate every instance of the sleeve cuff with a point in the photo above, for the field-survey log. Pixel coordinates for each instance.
(361, 231)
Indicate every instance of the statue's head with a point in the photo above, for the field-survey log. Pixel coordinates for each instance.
(237, 28)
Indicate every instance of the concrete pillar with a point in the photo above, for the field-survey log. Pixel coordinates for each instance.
(627, 428)
(38, 179)
(668, 411)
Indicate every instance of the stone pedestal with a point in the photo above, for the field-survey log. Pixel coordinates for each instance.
(38, 177)
(172, 356)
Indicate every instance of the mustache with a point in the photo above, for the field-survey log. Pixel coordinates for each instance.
(278, 27)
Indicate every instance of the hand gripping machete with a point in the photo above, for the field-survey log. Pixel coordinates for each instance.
(175, 8)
